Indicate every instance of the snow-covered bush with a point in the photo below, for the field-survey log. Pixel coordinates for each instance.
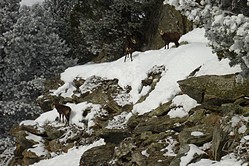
(226, 24)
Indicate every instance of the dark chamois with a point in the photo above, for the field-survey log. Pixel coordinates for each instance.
(129, 47)
(64, 111)
(170, 37)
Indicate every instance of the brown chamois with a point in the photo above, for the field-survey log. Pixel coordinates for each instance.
(64, 111)
(129, 47)
(170, 37)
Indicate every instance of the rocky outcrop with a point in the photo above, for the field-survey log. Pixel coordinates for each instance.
(215, 90)
(98, 156)
(157, 139)
(215, 127)
(169, 20)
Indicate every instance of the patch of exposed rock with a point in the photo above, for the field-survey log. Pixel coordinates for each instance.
(217, 126)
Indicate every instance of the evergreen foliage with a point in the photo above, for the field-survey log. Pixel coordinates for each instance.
(227, 26)
(32, 51)
(97, 25)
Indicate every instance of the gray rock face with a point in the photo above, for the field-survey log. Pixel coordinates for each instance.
(197, 135)
(215, 90)
(98, 156)
(153, 138)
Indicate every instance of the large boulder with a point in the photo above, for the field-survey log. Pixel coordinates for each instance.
(98, 156)
(114, 136)
(215, 90)
(197, 135)
(169, 20)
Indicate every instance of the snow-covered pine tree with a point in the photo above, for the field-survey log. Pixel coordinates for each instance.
(67, 15)
(33, 52)
(8, 16)
(227, 26)
(33, 47)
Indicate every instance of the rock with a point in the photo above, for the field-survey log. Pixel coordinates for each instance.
(197, 116)
(184, 150)
(54, 146)
(32, 127)
(123, 152)
(98, 156)
(22, 142)
(212, 119)
(114, 136)
(67, 146)
(169, 19)
(214, 90)
(157, 124)
(30, 158)
(219, 139)
(197, 135)
(53, 132)
(162, 110)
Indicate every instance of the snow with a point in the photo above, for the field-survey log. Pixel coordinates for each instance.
(145, 153)
(70, 158)
(197, 133)
(183, 104)
(190, 155)
(228, 160)
(119, 121)
(178, 62)
(76, 117)
(30, 2)
(169, 149)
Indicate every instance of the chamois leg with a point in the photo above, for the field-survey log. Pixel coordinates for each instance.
(125, 57)
(62, 118)
(131, 56)
(177, 44)
(59, 117)
(67, 118)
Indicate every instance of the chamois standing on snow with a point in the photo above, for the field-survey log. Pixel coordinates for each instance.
(170, 37)
(64, 111)
(129, 47)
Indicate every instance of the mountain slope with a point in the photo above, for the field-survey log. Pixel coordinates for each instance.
(160, 68)
(178, 63)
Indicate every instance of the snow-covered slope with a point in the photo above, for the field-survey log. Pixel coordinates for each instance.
(178, 62)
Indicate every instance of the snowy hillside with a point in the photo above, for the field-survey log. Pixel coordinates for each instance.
(176, 64)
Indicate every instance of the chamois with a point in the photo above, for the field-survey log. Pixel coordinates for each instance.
(129, 47)
(170, 37)
(64, 111)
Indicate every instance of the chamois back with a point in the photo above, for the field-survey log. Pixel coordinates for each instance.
(169, 37)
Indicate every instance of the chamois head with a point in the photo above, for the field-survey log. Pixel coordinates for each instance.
(169, 37)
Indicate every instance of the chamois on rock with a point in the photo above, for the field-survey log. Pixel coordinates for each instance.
(64, 111)
(169, 37)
